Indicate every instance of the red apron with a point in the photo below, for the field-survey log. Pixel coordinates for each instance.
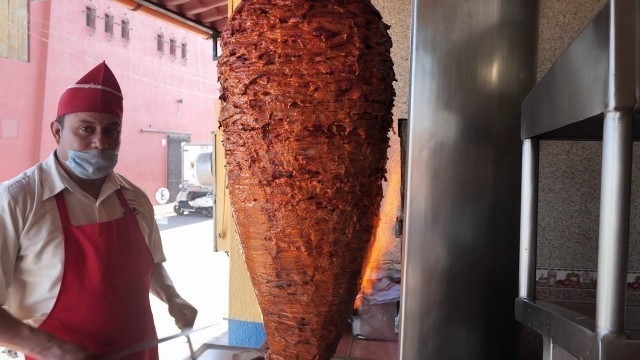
(103, 303)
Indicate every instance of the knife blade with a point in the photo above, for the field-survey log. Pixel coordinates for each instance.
(193, 356)
(138, 347)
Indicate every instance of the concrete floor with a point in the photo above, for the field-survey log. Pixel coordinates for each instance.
(353, 348)
(200, 275)
(202, 278)
(349, 348)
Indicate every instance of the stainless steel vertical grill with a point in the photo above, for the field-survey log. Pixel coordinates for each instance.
(472, 63)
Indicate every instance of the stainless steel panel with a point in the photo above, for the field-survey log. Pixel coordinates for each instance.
(622, 55)
(575, 88)
(595, 74)
(472, 62)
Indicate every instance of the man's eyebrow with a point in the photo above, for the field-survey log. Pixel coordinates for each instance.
(93, 122)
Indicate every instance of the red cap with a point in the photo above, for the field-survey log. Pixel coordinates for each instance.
(97, 91)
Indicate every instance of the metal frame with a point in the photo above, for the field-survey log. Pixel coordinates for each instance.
(590, 93)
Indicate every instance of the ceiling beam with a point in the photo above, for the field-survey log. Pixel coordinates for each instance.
(212, 15)
(173, 2)
(199, 6)
(173, 15)
(220, 24)
(220, 2)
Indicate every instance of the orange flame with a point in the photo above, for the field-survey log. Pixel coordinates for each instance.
(384, 239)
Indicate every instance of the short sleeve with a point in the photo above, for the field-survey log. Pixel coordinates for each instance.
(154, 241)
(10, 225)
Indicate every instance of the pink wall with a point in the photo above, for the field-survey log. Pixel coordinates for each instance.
(151, 86)
(21, 91)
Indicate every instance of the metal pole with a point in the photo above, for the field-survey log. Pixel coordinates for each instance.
(169, 132)
(528, 218)
(613, 245)
(614, 222)
(547, 348)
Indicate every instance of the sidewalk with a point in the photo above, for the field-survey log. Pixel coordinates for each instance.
(165, 210)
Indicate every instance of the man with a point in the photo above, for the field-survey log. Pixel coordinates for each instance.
(79, 246)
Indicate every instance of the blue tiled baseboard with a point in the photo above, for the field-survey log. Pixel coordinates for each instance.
(246, 333)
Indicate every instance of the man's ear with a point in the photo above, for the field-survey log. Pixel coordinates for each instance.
(56, 130)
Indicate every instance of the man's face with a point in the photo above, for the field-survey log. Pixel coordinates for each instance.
(86, 131)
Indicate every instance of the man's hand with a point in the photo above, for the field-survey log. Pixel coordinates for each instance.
(36, 343)
(59, 350)
(162, 287)
(183, 313)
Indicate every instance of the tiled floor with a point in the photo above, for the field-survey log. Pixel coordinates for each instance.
(348, 348)
(351, 347)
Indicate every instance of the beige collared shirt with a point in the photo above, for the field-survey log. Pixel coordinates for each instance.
(31, 237)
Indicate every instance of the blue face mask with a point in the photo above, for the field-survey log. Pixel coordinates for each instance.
(92, 164)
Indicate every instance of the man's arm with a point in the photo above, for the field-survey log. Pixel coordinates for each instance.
(162, 287)
(18, 336)
(14, 334)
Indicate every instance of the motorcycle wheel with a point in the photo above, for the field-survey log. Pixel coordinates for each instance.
(178, 210)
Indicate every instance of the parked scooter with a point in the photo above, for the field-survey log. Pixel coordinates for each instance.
(200, 202)
(197, 187)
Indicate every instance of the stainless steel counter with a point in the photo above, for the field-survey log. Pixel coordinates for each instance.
(221, 352)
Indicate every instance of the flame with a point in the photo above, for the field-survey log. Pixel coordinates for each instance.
(384, 239)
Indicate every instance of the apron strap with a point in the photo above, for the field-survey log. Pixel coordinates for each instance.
(62, 210)
(124, 202)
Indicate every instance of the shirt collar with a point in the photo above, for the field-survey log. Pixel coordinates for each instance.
(55, 179)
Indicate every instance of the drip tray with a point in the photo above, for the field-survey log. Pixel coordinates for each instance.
(221, 352)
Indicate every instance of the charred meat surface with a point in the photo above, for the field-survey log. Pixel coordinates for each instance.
(307, 97)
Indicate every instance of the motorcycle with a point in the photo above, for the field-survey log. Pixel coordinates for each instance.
(200, 202)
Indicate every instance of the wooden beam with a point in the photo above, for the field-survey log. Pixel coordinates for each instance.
(163, 14)
(212, 15)
(199, 6)
(173, 2)
(220, 24)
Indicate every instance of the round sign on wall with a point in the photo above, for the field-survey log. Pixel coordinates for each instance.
(162, 195)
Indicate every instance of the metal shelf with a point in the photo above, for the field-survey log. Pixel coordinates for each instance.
(570, 100)
(576, 333)
(589, 94)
